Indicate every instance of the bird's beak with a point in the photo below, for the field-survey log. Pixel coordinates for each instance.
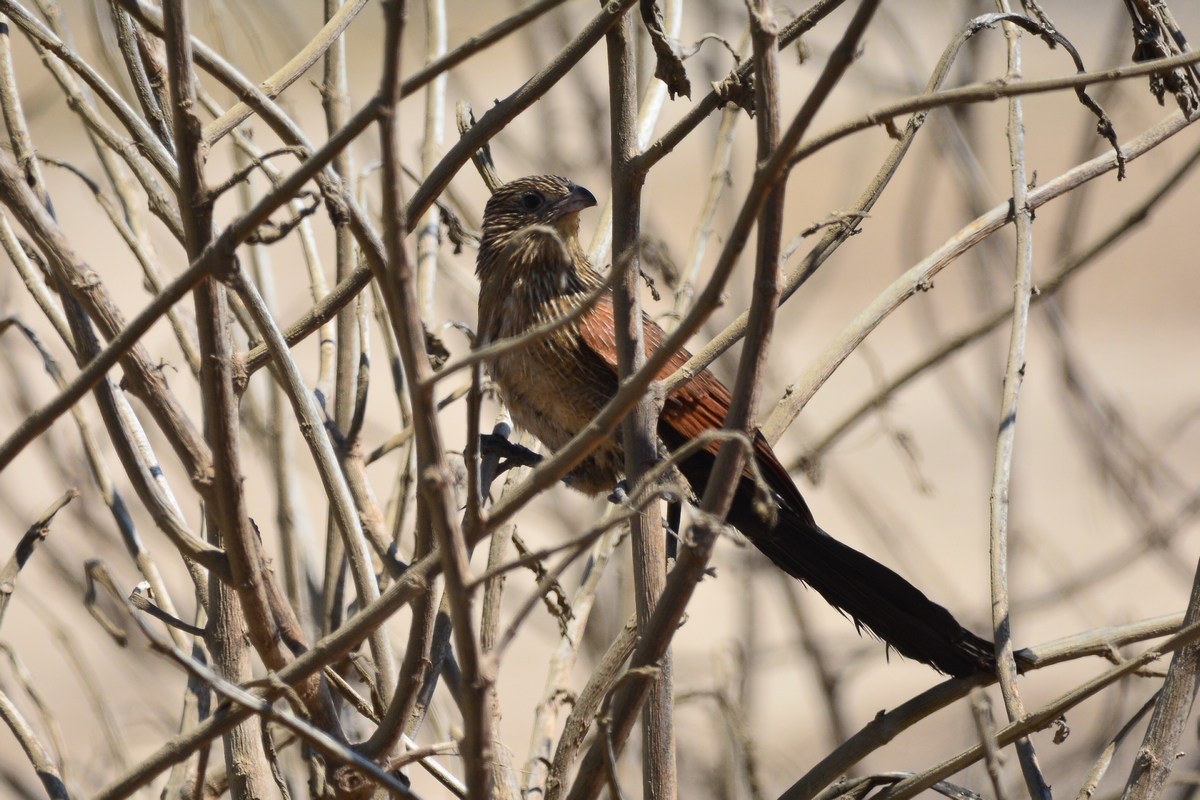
(576, 200)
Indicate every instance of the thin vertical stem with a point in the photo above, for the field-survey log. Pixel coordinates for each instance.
(1154, 759)
(398, 285)
(638, 432)
(244, 607)
(428, 231)
(767, 208)
(1006, 667)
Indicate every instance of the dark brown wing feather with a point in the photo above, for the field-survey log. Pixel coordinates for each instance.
(697, 407)
(873, 595)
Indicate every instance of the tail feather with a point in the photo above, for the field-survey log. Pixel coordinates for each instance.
(872, 595)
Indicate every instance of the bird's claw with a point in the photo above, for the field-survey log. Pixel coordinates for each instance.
(620, 494)
(511, 453)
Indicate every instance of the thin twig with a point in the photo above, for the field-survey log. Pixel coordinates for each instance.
(918, 277)
(34, 536)
(639, 431)
(39, 758)
(1014, 373)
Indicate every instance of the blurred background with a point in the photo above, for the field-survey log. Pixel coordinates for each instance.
(1107, 463)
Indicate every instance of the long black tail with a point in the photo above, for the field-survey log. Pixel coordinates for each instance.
(872, 595)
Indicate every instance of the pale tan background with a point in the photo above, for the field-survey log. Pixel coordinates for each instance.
(1134, 325)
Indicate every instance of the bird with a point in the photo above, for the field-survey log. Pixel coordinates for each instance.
(532, 270)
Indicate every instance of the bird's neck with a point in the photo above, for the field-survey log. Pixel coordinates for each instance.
(548, 258)
(531, 276)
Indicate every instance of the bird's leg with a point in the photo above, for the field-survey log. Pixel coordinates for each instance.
(514, 455)
(620, 496)
(674, 522)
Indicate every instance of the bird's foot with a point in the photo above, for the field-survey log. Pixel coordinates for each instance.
(511, 453)
(620, 494)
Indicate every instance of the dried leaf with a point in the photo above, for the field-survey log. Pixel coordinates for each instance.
(669, 67)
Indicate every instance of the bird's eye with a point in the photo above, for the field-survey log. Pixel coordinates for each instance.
(531, 201)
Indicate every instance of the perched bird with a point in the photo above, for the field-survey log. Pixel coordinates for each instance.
(532, 269)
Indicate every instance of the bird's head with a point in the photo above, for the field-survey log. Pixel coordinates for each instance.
(539, 201)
